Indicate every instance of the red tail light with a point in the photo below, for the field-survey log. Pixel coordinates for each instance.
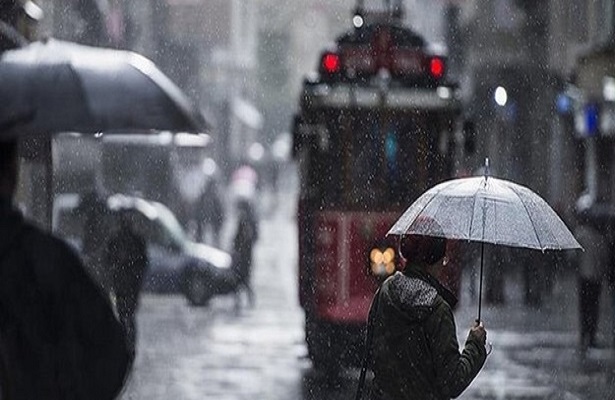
(331, 63)
(436, 67)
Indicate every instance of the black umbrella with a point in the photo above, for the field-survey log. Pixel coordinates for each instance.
(57, 86)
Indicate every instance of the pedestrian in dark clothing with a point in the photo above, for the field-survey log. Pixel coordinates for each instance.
(126, 257)
(415, 350)
(59, 337)
(243, 248)
(95, 213)
(211, 213)
(593, 264)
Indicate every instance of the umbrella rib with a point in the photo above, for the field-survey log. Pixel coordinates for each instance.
(170, 90)
(430, 200)
(473, 206)
(81, 85)
(528, 215)
(424, 207)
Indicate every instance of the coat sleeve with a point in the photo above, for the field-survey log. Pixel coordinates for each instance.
(454, 371)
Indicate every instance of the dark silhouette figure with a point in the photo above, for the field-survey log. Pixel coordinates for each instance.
(243, 247)
(95, 214)
(126, 257)
(211, 213)
(415, 349)
(59, 337)
(592, 270)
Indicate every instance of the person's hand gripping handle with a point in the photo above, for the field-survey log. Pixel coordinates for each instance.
(479, 333)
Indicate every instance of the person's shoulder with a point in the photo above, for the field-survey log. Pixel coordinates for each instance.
(441, 306)
(410, 291)
(47, 246)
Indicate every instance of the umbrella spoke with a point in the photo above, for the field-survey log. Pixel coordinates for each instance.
(473, 207)
(487, 210)
(514, 190)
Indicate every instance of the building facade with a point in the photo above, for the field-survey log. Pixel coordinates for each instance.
(535, 53)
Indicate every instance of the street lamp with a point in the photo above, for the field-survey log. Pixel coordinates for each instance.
(500, 96)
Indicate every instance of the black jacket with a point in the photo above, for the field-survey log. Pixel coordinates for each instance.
(59, 337)
(415, 351)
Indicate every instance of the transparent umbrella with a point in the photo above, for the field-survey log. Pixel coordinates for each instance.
(487, 210)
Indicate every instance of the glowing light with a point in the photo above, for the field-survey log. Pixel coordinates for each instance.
(331, 62)
(436, 67)
(389, 255)
(382, 262)
(443, 92)
(376, 256)
(357, 21)
(500, 96)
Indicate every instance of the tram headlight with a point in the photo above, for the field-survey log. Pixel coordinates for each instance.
(382, 261)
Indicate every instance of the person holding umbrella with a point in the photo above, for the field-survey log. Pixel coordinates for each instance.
(59, 337)
(415, 349)
(410, 324)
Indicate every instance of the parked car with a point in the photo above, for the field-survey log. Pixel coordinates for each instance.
(176, 263)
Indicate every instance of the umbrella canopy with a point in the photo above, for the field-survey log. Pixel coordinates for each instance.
(57, 86)
(489, 210)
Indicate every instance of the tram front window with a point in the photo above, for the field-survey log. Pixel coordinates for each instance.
(374, 163)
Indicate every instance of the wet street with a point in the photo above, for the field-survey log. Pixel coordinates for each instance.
(141, 128)
(215, 352)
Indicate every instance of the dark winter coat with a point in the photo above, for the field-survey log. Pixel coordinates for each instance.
(415, 350)
(59, 338)
(243, 243)
(126, 256)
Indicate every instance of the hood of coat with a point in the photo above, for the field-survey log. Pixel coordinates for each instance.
(411, 296)
(10, 223)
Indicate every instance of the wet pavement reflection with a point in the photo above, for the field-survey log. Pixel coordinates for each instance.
(216, 352)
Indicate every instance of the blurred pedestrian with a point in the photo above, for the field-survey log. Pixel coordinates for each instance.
(415, 349)
(59, 337)
(210, 213)
(126, 258)
(592, 270)
(246, 236)
(95, 214)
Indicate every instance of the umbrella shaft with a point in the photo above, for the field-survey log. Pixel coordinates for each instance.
(480, 282)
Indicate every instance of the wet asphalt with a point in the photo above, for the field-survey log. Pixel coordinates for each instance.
(219, 352)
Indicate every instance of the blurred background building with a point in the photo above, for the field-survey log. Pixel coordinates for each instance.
(527, 71)
(537, 76)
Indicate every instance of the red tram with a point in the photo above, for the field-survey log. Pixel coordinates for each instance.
(374, 129)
